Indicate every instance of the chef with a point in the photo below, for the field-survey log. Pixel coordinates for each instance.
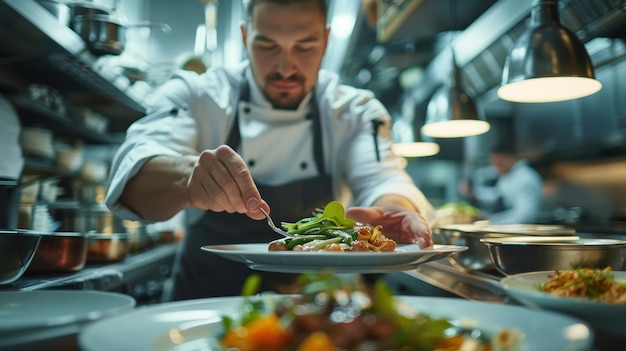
(275, 132)
(516, 196)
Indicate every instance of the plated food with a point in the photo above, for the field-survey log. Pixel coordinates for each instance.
(197, 324)
(335, 313)
(586, 283)
(528, 288)
(328, 229)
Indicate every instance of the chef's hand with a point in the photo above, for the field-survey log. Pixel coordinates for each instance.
(221, 181)
(400, 224)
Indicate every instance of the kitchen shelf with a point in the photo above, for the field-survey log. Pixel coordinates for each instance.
(35, 114)
(39, 50)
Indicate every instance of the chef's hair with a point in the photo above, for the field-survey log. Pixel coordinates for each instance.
(504, 147)
(248, 6)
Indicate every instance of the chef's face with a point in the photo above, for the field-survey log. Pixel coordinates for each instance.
(502, 162)
(285, 43)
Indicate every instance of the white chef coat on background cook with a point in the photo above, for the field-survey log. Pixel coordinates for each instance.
(276, 144)
(520, 191)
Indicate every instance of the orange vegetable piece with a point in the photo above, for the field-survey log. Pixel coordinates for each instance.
(238, 338)
(317, 341)
(266, 332)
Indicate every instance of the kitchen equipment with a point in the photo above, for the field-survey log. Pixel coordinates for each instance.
(108, 247)
(52, 319)
(140, 239)
(37, 142)
(10, 194)
(522, 254)
(17, 249)
(60, 252)
(85, 217)
(88, 8)
(94, 172)
(105, 34)
(477, 258)
(270, 222)
(9, 203)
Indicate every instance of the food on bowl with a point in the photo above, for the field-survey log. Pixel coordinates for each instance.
(337, 313)
(330, 230)
(586, 283)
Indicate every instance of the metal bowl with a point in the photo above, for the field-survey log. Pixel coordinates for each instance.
(17, 249)
(108, 247)
(476, 257)
(60, 252)
(529, 254)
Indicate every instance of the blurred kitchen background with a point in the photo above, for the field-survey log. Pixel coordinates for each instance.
(75, 99)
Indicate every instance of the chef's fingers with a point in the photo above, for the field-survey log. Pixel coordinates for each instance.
(243, 193)
(201, 187)
(402, 225)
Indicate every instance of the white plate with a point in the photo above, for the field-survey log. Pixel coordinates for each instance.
(188, 325)
(52, 319)
(608, 317)
(23, 310)
(406, 257)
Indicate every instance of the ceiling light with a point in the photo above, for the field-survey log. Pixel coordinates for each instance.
(407, 142)
(548, 62)
(451, 112)
(415, 149)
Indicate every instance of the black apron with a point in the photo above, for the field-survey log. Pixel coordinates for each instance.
(200, 274)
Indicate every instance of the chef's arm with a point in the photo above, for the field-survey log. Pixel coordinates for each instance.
(159, 190)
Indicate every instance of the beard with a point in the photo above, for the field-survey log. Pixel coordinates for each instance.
(285, 99)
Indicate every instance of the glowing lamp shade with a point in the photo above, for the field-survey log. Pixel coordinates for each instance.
(548, 62)
(451, 113)
(415, 149)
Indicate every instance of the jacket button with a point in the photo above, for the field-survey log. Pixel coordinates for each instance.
(246, 110)
(251, 163)
(303, 165)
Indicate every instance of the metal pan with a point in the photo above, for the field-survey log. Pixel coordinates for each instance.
(105, 34)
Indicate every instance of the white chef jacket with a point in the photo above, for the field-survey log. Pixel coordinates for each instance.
(278, 142)
(521, 192)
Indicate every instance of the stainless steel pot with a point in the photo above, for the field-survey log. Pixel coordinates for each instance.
(108, 247)
(477, 257)
(523, 254)
(105, 34)
(82, 8)
(17, 249)
(60, 252)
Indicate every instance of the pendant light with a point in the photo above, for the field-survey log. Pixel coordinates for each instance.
(451, 112)
(407, 143)
(548, 62)
(415, 149)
